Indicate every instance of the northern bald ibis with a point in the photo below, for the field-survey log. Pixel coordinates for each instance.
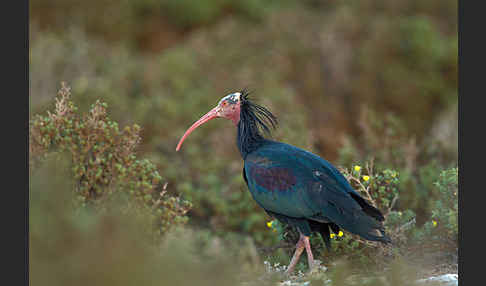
(292, 185)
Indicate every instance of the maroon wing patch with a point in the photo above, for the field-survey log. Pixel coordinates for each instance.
(274, 178)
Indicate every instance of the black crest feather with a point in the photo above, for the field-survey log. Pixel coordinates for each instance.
(254, 118)
(264, 119)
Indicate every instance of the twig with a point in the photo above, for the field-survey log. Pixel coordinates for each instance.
(395, 198)
(159, 200)
(406, 225)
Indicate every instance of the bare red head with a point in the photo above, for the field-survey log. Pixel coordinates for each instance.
(228, 107)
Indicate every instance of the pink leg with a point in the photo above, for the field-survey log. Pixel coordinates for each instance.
(301, 244)
(310, 257)
(299, 248)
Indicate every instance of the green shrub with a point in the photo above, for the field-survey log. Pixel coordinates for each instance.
(442, 226)
(419, 163)
(104, 164)
(381, 188)
(445, 210)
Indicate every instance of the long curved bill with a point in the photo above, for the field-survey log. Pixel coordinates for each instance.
(213, 113)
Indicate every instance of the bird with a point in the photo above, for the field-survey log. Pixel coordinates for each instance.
(292, 185)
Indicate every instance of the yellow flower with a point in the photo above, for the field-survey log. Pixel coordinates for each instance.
(366, 178)
(269, 224)
(357, 168)
(332, 235)
(434, 223)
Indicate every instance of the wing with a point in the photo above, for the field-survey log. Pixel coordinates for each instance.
(290, 181)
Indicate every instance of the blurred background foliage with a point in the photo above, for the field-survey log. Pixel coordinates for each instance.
(351, 81)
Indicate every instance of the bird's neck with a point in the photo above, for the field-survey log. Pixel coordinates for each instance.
(248, 137)
(253, 120)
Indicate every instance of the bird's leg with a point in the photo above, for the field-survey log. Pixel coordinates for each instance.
(310, 257)
(301, 244)
(299, 248)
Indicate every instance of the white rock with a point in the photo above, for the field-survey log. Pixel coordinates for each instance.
(445, 280)
(290, 283)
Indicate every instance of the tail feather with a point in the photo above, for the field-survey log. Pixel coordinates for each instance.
(377, 235)
(368, 208)
(367, 227)
(358, 221)
(370, 221)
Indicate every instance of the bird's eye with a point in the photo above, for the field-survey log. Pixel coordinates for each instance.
(224, 103)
